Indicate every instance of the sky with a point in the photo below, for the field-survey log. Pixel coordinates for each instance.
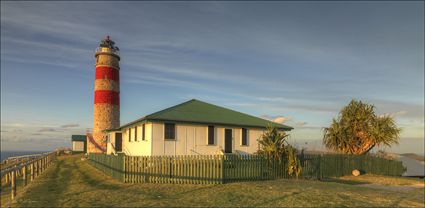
(297, 63)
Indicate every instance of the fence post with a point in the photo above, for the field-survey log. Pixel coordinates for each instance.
(38, 167)
(35, 168)
(7, 179)
(223, 176)
(123, 168)
(24, 174)
(13, 185)
(32, 171)
(320, 166)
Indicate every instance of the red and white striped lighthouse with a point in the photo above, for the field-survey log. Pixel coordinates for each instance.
(106, 95)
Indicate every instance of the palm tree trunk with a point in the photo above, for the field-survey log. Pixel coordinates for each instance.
(368, 149)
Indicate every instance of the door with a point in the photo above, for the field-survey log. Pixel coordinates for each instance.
(228, 141)
(118, 142)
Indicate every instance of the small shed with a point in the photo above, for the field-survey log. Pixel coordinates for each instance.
(79, 144)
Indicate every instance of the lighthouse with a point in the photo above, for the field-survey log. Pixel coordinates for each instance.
(106, 95)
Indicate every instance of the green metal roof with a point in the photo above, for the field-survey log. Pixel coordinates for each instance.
(195, 111)
(81, 138)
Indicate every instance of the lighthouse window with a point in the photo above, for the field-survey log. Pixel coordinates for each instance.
(169, 131)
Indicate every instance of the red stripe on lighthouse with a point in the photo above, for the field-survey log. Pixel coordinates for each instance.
(106, 96)
(104, 72)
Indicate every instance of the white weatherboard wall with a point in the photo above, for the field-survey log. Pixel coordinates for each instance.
(140, 147)
(193, 140)
(111, 143)
(78, 146)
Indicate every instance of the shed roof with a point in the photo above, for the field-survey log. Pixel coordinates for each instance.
(195, 111)
(80, 138)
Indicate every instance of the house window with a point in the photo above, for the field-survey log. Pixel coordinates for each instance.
(244, 137)
(135, 134)
(210, 135)
(129, 134)
(143, 132)
(169, 131)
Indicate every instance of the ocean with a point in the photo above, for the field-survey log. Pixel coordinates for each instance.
(6, 154)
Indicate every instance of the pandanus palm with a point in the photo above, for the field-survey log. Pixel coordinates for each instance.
(358, 129)
(274, 147)
(272, 143)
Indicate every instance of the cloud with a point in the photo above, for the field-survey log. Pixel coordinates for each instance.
(49, 130)
(17, 139)
(70, 125)
(280, 119)
(301, 123)
(394, 114)
(289, 120)
(277, 119)
(310, 127)
(16, 125)
(28, 139)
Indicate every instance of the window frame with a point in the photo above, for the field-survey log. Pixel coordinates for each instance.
(173, 133)
(211, 135)
(135, 133)
(129, 134)
(244, 132)
(143, 132)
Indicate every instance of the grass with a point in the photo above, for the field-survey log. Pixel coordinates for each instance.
(387, 180)
(72, 182)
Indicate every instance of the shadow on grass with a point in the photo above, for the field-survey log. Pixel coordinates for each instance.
(192, 190)
(271, 201)
(96, 183)
(347, 182)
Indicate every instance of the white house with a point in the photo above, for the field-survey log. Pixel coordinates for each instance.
(190, 128)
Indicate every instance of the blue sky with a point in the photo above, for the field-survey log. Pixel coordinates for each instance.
(297, 62)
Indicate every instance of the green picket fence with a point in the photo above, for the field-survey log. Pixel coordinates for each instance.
(252, 168)
(215, 169)
(334, 165)
(109, 164)
(202, 169)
